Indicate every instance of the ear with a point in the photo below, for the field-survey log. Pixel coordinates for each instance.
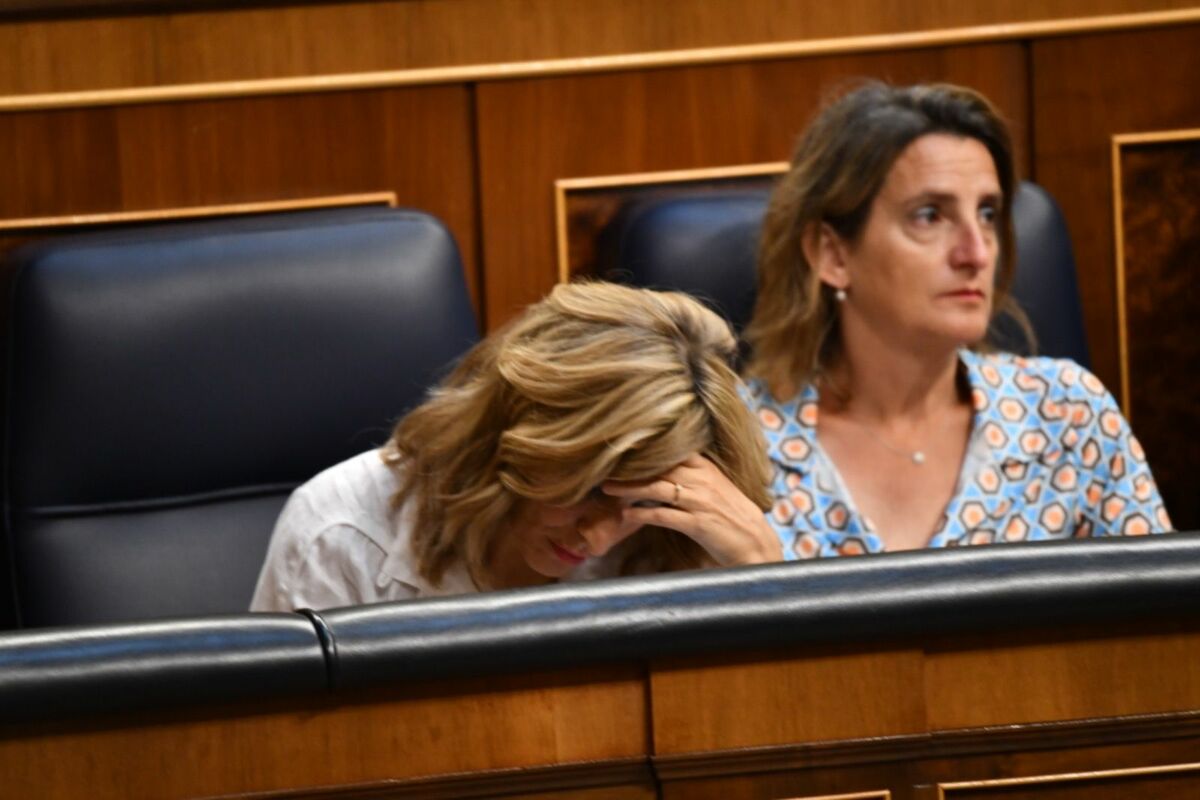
(826, 253)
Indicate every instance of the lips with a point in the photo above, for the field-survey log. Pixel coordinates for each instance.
(566, 555)
(976, 294)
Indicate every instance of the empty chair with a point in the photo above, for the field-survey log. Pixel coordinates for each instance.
(170, 385)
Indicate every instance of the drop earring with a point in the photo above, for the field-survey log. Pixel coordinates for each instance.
(840, 294)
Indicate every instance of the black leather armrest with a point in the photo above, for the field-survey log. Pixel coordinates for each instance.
(73, 672)
(76, 672)
(866, 599)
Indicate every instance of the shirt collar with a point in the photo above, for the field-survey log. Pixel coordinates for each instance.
(400, 564)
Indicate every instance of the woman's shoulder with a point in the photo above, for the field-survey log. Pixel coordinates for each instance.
(353, 494)
(757, 395)
(370, 465)
(1061, 379)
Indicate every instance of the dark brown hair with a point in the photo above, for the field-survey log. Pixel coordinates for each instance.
(838, 168)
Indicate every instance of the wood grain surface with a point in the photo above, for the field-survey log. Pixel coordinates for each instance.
(199, 46)
(532, 132)
(1159, 226)
(1085, 90)
(164, 156)
(826, 694)
(1007, 680)
(808, 721)
(434, 729)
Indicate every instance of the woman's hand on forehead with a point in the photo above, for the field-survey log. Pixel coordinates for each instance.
(698, 500)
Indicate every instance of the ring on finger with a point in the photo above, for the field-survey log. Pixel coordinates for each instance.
(678, 489)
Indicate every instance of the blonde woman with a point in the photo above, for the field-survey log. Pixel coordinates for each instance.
(600, 433)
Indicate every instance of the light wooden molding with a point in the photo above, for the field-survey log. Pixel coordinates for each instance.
(1119, 245)
(1069, 777)
(565, 778)
(672, 176)
(197, 212)
(957, 743)
(882, 794)
(595, 64)
(1154, 137)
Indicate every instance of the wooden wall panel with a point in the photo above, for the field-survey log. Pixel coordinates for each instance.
(917, 779)
(608, 733)
(968, 683)
(438, 729)
(1085, 90)
(831, 694)
(1061, 679)
(1174, 780)
(646, 792)
(532, 132)
(966, 708)
(817, 784)
(314, 39)
(59, 162)
(1158, 226)
(244, 150)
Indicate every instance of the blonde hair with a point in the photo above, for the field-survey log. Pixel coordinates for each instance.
(596, 382)
(839, 166)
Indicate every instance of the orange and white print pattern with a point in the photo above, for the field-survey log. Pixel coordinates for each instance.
(1050, 457)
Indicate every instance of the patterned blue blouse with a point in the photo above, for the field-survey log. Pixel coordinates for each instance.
(1050, 457)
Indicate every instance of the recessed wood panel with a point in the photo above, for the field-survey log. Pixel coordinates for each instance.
(797, 785)
(644, 792)
(915, 771)
(533, 132)
(438, 729)
(1170, 781)
(1003, 682)
(1158, 234)
(811, 697)
(415, 143)
(1085, 90)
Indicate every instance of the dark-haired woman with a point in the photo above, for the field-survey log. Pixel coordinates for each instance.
(886, 252)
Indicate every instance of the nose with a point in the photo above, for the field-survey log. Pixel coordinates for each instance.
(975, 248)
(600, 528)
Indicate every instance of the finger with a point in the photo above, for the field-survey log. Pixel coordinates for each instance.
(664, 517)
(657, 491)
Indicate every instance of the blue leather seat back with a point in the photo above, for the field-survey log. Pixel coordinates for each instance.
(702, 244)
(1045, 284)
(170, 385)
(705, 244)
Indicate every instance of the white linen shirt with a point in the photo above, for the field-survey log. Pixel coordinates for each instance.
(339, 542)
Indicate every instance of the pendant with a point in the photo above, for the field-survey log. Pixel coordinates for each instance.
(918, 457)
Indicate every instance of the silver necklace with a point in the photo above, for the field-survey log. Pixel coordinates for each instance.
(915, 456)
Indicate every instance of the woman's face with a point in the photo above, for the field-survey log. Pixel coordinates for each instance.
(923, 268)
(553, 540)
